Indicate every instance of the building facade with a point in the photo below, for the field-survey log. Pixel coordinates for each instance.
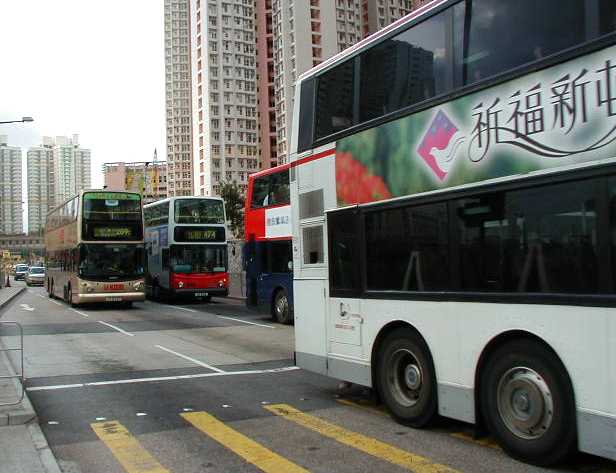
(41, 185)
(224, 72)
(57, 170)
(11, 204)
(304, 34)
(178, 97)
(377, 14)
(149, 178)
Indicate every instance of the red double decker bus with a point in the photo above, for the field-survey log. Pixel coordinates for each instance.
(267, 252)
(186, 248)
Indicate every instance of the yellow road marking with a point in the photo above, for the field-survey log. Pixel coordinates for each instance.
(126, 448)
(368, 445)
(366, 407)
(484, 442)
(248, 449)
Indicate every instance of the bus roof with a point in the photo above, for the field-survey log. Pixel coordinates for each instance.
(373, 38)
(85, 191)
(187, 197)
(274, 170)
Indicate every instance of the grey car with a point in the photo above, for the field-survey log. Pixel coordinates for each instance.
(35, 276)
(20, 272)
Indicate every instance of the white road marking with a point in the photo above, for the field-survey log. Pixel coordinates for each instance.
(26, 307)
(245, 321)
(197, 362)
(83, 314)
(56, 302)
(180, 308)
(116, 328)
(101, 418)
(162, 378)
(41, 296)
(141, 414)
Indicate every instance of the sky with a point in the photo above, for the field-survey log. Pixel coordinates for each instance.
(89, 67)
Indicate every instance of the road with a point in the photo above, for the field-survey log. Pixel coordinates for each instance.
(212, 388)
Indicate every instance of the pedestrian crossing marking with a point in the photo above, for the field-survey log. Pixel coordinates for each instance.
(484, 442)
(366, 407)
(126, 448)
(368, 445)
(251, 451)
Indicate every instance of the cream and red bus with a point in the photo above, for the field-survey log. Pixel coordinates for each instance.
(94, 248)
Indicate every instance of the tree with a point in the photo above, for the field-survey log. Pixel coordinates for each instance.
(234, 207)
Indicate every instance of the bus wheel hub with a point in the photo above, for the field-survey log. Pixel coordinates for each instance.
(412, 376)
(525, 403)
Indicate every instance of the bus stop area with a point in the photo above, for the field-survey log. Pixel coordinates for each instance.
(22, 443)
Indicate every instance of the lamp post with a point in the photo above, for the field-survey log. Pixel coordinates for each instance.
(23, 120)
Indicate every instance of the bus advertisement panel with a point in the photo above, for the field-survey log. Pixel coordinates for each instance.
(186, 248)
(460, 257)
(94, 248)
(267, 250)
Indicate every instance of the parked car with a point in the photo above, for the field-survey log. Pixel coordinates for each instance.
(20, 272)
(35, 276)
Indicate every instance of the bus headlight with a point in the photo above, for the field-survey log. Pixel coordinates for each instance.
(138, 286)
(180, 284)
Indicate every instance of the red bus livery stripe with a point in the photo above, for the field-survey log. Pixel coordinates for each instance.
(313, 157)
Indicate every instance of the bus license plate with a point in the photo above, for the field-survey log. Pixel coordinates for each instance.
(113, 299)
(201, 294)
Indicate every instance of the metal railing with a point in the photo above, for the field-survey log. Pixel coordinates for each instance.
(20, 374)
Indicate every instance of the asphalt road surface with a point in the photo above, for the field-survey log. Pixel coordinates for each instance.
(212, 388)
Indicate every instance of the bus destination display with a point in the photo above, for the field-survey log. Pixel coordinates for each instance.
(106, 233)
(199, 234)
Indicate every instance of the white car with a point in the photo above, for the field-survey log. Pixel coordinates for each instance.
(35, 276)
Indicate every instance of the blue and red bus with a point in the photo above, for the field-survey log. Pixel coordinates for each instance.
(267, 252)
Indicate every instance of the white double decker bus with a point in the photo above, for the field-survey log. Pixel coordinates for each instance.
(453, 191)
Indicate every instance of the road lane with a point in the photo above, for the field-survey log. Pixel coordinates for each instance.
(83, 372)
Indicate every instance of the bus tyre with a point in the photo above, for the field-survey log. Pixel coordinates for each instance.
(70, 297)
(280, 309)
(527, 403)
(405, 378)
(50, 288)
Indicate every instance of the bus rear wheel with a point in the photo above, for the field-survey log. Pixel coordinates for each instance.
(405, 378)
(527, 403)
(280, 308)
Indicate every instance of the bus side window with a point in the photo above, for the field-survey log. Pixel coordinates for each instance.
(165, 257)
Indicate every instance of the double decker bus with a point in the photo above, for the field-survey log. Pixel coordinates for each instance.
(267, 250)
(464, 263)
(94, 248)
(186, 248)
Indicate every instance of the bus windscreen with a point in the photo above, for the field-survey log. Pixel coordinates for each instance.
(110, 262)
(200, 211)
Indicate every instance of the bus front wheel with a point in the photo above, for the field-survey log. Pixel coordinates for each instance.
(527, 402)
(405, 378)
(280, 309)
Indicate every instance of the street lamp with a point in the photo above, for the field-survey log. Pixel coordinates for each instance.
(23, 120)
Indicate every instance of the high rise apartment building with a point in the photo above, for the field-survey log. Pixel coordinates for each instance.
(178, 97)
(304, 34)
(377, 14)
(72, 168)
(57, 170)
(224, 93)
(41, 190)
(11, 205)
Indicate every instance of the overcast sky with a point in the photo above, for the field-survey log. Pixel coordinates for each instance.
(91, 67)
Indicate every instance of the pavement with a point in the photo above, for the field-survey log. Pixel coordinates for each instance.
(22, 443)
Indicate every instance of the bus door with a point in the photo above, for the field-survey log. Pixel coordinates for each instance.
(276, 267)
(345, 322)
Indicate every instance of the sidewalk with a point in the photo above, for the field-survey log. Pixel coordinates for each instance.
(22, 443)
